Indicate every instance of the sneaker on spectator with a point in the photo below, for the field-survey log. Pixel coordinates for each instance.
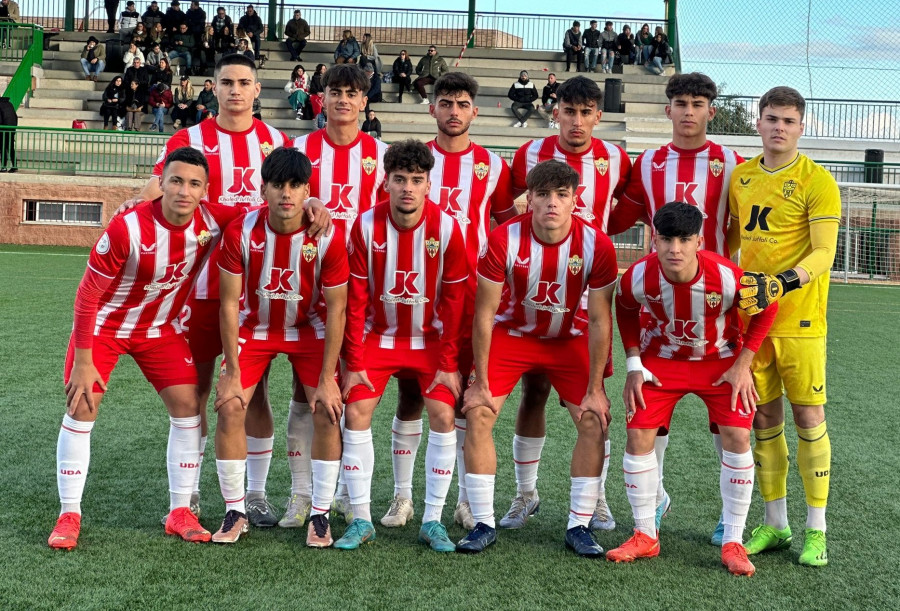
(525, 124)
(517, 124)
(177, 124)
(424, 101)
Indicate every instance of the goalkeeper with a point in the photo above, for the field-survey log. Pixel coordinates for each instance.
(785, 211)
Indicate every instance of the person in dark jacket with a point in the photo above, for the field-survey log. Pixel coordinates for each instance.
(135, 101)
(430, 68)
(206, 101)
(591, 47)
(347, 51)
(658, 54)
(253, 27)
(183, 44)
(374, 94)
(219, 23)
(295, 34)
(140, 74)
(573, 45)
(196, 19)
(372, 125)
(112, 7)
(401, 74)
(523, 94)
(317, 81)
(112, 108)
(174, 17)
(152, 16)
(625, 45)
(162, 74)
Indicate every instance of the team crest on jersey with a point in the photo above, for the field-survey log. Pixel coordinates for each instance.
(309, 251)
(204, 237)
(602, 166)
(716, 166)
(266, 148)
(481, 170)
(789, 187)
(432, 245)
(575, 264)
(103, 244)
(369, 165)
(714, 299)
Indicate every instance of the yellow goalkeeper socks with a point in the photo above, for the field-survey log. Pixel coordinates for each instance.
(814, 462)
(771, 456)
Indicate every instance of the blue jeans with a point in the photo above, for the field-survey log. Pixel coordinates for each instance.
(655, 65)
(90, 68)
(158, 114)
(607, 58)
(590, 59)
(185, 55)
(645, 53)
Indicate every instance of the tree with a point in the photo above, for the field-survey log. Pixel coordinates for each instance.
(733, 115)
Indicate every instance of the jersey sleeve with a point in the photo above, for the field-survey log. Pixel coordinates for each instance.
(628, 316)
(625, 170)
(230, 256)
(605, 268)
(520, 169)
(492, 266)
(632, 203)
(87, 300)
(456, 268)
(453, 291)
(111, 251)
(634, 187)
(502, 199)
(177, 140)
(335, 265)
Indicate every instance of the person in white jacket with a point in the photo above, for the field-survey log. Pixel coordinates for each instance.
(131, 54)
(298, 90)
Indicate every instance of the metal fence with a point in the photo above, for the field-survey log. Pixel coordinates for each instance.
(868, 247)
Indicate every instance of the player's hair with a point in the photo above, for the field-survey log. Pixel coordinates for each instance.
(552, 174)
(410, 155)
(454, 83)
(580, 90)
(235, 59)
(286, 165)
(347, 75)
(678, 220)
(694, 84)
(188, 155)
(783, 96)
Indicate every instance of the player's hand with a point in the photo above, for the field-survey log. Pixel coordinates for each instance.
(452, 380)
(354, 378)
(319, 217)
(81, 382)
(759, 292)
(598, 403)
(633, 395)
(478, 395)
(328, 397)
(127, 205)
(227, 388)
(741, 380)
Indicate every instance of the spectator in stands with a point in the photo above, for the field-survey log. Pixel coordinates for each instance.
(225, 42)
(162, 74)
(297, 89)
(135, 100)
(220, 22)
(257, 109)
(244, 49)
(112, 8)
(573, 45)
(644, 42)
(253, 28)
(160, 102)
(174, 18)
(372, 125)
(112, 108)
(373, 96)
(401, 74)
(196, 19)
(548, 97)
(295, 34)
(132, 54)
(591, 41)
(368, 54)
(139, 36)
(157, 36)
(153, 58)
(140, 74)
(239, 35)
(347, 51)
(321, 118)
(429, 69)
(128, 21)
(183, 107)
(608, 39)
(523, 94)
(206, 101)
(317, 81)
(625, 45)
(658, 52)
(206, 49)
(183, 44)
(152, 16)
(93, 59)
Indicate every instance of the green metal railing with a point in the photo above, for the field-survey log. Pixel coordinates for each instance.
(23, 43)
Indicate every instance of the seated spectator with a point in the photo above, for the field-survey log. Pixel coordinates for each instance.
(174, 18)
(206, 101)
(321, 118)
(93, 59)
(220, 22)
(372, 125)
(135, 100)
(244, 49)
(591, 47)
(183, 107)
(160, 102)
(157, 36)
(257, 109)
(644, 43)
(128, 21)
(162, 74)
(373, 96)
(401, 74)
(140, 74)
(317, 81)
(548, 98)
(429, 69)
(317, 103)
(368, 53)
(658, 53)
(112, 108)
(225, 43)
(239, 35)
(139, 36)
(207, 49)
(131, 54)
(183, 44)
(297, 89)
(347, 51)
(573, 46)
(523, 94)
(608, 39)
(196, 19)
(253, 27)
(156, 54)
(625, 45)
(295, 34)
(152, 16)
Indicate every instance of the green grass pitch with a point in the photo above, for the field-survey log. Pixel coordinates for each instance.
(124, 560)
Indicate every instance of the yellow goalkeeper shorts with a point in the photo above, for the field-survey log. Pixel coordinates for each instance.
(791, 365)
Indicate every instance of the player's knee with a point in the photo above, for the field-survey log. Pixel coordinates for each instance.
(440, 418)
(589, 427)
(808, 416)
(480, 420)
(535, 392)
(322, 424)
(231, 416)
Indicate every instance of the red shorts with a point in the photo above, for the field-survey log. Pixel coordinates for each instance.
(566, 362)
(382, 363)
(164, 361)
(200, 322)
(680, 378)
(305, 355)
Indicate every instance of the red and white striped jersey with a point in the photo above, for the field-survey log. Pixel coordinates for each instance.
(407, 285)
(604, 169)
(283, 276)
(235, 161)
(698, 177)
(471, 186)
(152, 265)
(696, 320)
(544, 283)
(346, 178)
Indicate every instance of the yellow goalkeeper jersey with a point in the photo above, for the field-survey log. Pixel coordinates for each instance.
(774, 209)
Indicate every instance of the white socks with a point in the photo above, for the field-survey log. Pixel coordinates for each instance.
(182, 459)
(259, 456)
(527, 458)
(659, 447)
(641, 482)
(405, 439)
(736, 486)
(359, 463)
(231, 483)
(776, 513)
(196, 488)
(461, 460)
(717, 442)
(481, 497)
(325, 475)
(815, 517)
(439, 458)
(605, 470)
(299, 447)
(73, 455)
(582, 500)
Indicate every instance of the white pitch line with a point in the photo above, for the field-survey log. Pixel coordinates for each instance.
(43, 254)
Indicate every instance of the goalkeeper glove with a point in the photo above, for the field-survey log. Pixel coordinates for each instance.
(762, 290)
